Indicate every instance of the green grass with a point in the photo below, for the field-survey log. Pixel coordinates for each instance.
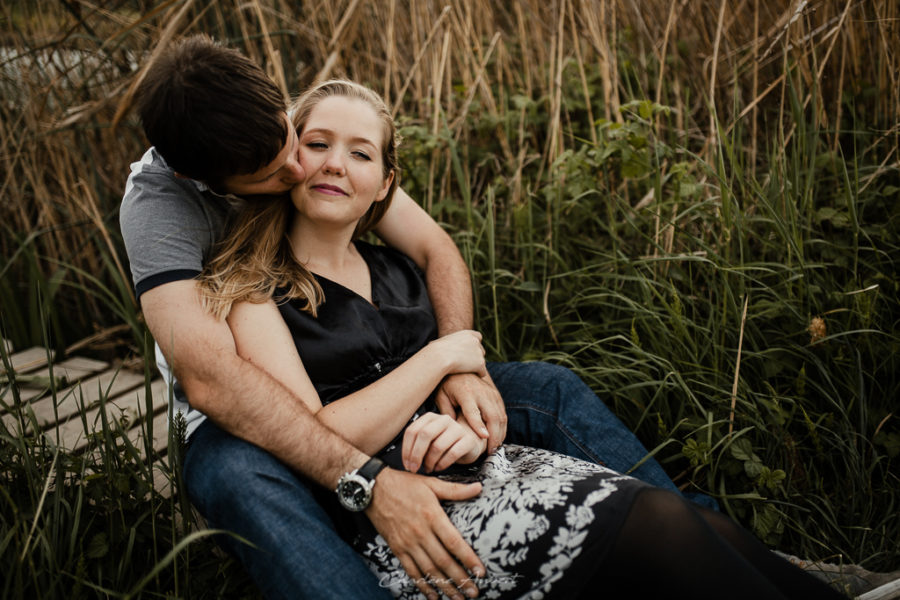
(647, 305)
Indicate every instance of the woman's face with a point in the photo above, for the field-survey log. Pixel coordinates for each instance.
(341, 154)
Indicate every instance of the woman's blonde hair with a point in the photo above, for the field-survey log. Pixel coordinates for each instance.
(254, 257)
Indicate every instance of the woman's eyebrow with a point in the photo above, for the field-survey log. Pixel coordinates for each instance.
(356, 139)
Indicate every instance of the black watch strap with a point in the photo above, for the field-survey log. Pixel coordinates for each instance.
(371, 469)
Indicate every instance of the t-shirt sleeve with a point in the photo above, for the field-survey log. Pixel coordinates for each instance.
(167, 232)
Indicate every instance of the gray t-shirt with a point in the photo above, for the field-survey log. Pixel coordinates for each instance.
(169, 225)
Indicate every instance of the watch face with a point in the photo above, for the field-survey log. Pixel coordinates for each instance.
(354, 492)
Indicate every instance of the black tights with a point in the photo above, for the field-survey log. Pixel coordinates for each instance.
(671, 548)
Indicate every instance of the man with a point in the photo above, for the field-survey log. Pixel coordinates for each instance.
(219, 128)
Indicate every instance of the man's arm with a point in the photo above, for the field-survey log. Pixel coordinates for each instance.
(408, 228)
(373, 415)
(227, 389)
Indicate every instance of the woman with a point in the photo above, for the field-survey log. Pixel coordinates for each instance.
(349, 326)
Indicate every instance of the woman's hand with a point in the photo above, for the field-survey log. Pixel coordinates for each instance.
(461, 352)
(437, 441)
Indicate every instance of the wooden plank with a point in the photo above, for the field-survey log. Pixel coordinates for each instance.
(160, 442)
(69, 401)
(37, 383)
(73, 369)
(60, 415)
(30, 359)
(26, 394)
(23, 363)
(128, 408)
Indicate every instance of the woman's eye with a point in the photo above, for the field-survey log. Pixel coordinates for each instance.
(361, 154)
(316, 145)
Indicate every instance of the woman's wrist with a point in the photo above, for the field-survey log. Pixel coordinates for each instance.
(440, 360)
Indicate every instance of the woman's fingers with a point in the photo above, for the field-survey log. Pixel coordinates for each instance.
(417, 440)
(451, 456)
(435, 441)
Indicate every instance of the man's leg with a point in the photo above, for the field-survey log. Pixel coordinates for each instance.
(550, 407)
(240, 488)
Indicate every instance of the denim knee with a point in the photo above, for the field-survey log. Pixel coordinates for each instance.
(540, 385)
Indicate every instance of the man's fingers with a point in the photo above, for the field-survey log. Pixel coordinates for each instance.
(433, 564)
(482, 370)
(447, 490)
(473, 417)
(433, 576)
(450, 549)
(497, 418)
(458, 551)
(418, 578)
(443, 572)
(496, 432)
(494, 415)
(445, 404)
(448, 534)
(405, 510)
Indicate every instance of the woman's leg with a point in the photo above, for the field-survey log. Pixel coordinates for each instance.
(793, 581)
(667, 549)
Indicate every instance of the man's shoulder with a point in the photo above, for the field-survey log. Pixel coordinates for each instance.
(168, 223)
(154, 192)
(152, 178)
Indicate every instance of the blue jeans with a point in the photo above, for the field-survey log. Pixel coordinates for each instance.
(243, 489)
(550, 407)
(298, 553)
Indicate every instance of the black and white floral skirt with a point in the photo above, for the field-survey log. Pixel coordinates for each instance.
(542, 525)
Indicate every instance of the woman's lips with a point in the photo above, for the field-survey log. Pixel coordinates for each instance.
(331, 190)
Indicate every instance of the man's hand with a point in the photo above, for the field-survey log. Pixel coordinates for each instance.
(480, 404)
(406, 511)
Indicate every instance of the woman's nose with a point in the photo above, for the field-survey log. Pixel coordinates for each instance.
(334, 164)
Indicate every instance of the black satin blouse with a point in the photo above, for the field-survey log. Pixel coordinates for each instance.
(353, 342)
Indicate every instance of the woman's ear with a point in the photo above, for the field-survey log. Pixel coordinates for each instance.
(382, 193)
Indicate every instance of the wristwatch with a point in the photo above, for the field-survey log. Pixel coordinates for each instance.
(354, 489)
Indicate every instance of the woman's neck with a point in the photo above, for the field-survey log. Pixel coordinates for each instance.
(322, 249)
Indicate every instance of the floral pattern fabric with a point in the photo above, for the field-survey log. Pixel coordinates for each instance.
(541, 525)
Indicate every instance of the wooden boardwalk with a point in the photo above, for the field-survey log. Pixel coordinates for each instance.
(68, 416)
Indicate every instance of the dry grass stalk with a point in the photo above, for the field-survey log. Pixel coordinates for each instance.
(434, 61)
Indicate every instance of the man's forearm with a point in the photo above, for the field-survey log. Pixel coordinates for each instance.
(249, 404)
(449, 288)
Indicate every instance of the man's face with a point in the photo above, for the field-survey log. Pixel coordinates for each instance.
(277, 177)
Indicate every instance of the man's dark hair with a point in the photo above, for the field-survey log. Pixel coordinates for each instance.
(211, 112)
